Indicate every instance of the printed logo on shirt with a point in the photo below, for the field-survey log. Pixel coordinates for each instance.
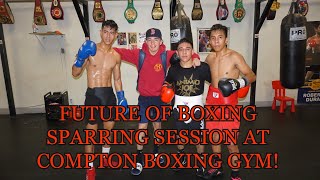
(215, 95)
(187, 86)
(157, 67)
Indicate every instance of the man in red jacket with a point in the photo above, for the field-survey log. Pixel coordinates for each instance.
(150, 80)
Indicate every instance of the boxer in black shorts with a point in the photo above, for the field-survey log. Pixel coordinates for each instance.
(188, 84)
(102, 63)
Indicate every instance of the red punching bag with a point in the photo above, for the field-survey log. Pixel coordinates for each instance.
(293, 49)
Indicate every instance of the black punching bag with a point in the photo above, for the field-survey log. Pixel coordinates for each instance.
(180, 27)
(293, 49)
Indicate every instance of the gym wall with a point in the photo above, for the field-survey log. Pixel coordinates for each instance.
(38, 66)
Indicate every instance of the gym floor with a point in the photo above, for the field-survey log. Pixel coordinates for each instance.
(294, 136)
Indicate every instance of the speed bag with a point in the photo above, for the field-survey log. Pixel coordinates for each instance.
(293, 50)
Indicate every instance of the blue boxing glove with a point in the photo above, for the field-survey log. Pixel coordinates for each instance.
(88, 48)
(122, 101)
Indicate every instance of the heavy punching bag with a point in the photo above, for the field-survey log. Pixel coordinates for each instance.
(293, 49)
(180, 27)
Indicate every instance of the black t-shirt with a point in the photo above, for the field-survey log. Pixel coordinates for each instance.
(188, 81)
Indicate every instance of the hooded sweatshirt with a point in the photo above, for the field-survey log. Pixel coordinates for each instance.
(151, 75)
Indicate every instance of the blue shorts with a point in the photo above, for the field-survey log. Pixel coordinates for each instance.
(144, 102)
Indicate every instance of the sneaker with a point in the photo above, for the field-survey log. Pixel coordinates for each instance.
(161, 159)
(236, 178)
(201, 172)
(91, 174)
(183, 162)
(214, 172)
(137, 170)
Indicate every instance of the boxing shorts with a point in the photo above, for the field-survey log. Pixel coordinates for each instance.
(100, 96)
(215, 97)
(144, 102)
(189, 101)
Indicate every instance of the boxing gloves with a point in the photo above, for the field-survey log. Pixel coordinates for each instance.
(174, 59)
(122, 101)
(88, 48)
(229, 86)
(167, 93)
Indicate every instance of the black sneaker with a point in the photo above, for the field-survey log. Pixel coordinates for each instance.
(236, 178)
(201, 172)
(161, 159)
(215, 172)
(137, 170)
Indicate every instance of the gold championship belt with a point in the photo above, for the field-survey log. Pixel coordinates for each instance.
(6, 16)
(39, 17)
(56, 10)
(222, 10)
(238, 12)
(130, 13)
(157, 11)
(98, 12)
(197, 12)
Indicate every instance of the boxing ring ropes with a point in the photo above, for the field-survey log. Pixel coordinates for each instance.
(84, 20)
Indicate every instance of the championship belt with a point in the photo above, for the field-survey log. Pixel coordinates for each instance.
(6, 16)
(303, 7)
(273, 10)
(238, 12)
(38, 15)
(222, 10)
(130, 13)
(197, 12)
(157, 11)
(98, 12)
(56, 10)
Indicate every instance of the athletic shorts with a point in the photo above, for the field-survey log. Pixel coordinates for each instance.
(146, 101)
(215, 97)
(189, 101)
(100, 96)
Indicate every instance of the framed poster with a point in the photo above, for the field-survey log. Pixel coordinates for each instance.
(309, 93)
(203, 40)
(122, 38)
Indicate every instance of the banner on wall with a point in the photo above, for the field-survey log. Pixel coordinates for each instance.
(310, 92)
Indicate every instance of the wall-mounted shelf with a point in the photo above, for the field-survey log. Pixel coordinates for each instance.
(47, 34)
(44, 34)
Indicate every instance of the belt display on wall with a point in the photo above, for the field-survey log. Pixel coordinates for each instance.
(56, 10)
(238, 12)
(197, 12)
(6, 16)
(98, 12)
(39, 16)
(157, 11)
(130, 13)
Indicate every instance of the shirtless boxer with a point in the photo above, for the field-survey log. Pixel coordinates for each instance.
(226, 66)
(101, 62)
(188, 85)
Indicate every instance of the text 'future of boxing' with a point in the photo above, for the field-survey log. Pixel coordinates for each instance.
(153, 113)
